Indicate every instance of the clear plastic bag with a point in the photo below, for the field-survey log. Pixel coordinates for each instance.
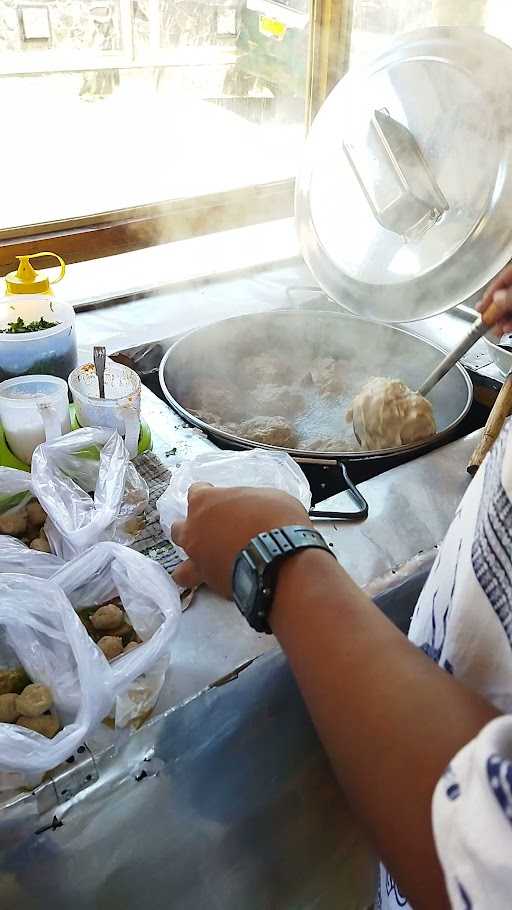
(151, 601)
(40, 631)
(66, 470)
(15, 493)
(17, 558)
(53, 648)
(15, 489)
(254, 468)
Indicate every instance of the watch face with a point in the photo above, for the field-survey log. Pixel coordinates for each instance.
(245, 583)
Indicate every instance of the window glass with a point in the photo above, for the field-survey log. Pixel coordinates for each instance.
(376, 22)
(126, 102)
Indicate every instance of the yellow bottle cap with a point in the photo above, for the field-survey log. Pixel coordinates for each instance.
(27, 280)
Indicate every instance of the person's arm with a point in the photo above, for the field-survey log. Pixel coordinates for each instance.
(499, 292)
(388, 717)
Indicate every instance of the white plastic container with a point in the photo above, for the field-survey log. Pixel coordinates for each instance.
(51, 351)
(33, 409)
(119, 410)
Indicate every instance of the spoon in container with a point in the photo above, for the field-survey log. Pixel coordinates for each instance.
(100, 358)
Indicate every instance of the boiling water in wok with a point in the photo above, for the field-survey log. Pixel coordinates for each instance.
(223, 354)
(298, 405)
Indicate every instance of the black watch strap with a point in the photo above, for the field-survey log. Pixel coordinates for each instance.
(291, 539)
(256, 569)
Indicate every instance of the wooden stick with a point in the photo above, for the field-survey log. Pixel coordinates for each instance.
(501, 410)
(491, 316)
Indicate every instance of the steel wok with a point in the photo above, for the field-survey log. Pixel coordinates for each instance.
(372, 349)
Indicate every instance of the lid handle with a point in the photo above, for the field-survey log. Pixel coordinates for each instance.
(131, 418)
(396, 179)
(51, 420)
(25, 270)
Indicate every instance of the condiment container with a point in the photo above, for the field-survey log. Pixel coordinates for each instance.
(29, 298)
(33, 409)
(119, 410)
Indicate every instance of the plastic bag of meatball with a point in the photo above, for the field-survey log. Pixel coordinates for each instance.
(255, 468)
(90, 490)
(19, 558)
(54, 683)
(131, 609)
(22, 521)
(15, 490)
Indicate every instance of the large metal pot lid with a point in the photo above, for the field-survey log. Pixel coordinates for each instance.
(404, 198)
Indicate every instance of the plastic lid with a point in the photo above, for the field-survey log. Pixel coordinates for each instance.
(26, 280)
(404, 197)
(23, 391)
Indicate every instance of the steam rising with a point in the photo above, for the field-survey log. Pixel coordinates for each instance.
(219, 357)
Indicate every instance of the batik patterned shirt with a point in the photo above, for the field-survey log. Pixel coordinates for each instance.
(463, 621)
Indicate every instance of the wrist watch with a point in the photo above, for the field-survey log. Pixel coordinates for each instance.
(256, 569)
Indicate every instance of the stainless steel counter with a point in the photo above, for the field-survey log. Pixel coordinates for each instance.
(224, 798)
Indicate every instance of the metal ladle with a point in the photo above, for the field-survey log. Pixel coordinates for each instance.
(480, 326)
(100, 359)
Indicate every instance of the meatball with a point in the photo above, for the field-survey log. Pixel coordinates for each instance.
(278, 400)
(328, 444)
(262, 368)
(132, 646)
(124, 631)
(8, 708)
(41, 544)
(387, 414)
(111, 646)
(107, 617)
(36, 515)
(211, 397)
(14, 680)
(329, 376)
(14, 523)
(270, 431)
(47, 725)
(34, 700)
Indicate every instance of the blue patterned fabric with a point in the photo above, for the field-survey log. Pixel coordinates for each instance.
(463, 622)
(492, 547)
(499, 775)
(451, 783)
(439, 619)
(392, 890)
(466, 903)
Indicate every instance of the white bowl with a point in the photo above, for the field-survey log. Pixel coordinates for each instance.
(502, 358)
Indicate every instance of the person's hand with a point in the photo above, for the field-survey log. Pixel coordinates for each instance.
(499, 292)
(220, 522)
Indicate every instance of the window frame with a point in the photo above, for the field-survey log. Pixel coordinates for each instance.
(108, 233)
(329, 50)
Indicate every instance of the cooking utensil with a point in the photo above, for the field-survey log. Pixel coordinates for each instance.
(119, 410)
(298, 339)
(405, 189)
(479, 328)
(502, 409)
(100, 359)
